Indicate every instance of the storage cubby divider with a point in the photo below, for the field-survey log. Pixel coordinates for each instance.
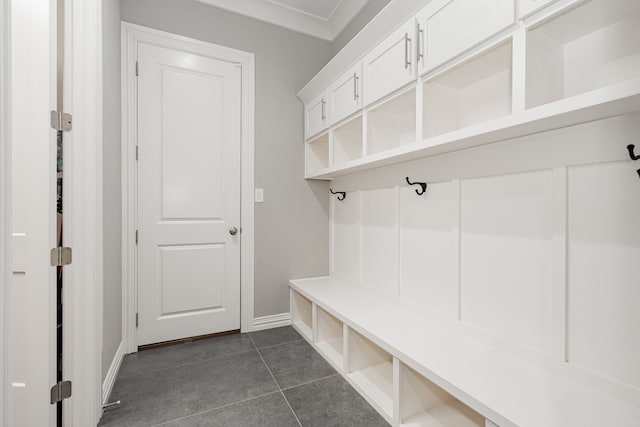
(302, 314)
(317, 153)
(424, 404)
(348, 141)
(473, 92)
(371, 369)
(392, 123)
(588, 47)
(329, 338)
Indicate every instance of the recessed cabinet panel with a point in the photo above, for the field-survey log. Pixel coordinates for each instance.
(345, 94)
(316, 116)
(449, 27)
(390, 65)
(588, 47)
(507, 248)
(526, 7)
(429, 237)
(604, 260)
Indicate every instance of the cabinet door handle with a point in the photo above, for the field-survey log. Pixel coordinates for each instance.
(407, 53)
(355, 87)
(324, 115)
(420, 43)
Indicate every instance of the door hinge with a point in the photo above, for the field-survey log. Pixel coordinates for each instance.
(61, 256)
(137, 236)
(136, 320)
(60, 391)
(61, 121)
(137, 69)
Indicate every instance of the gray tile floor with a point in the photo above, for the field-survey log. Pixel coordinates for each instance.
(271, 378)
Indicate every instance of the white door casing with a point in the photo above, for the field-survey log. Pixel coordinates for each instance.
(189, 119)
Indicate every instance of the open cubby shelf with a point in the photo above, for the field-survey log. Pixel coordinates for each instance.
(329, 338)
(317, 153)
(588, 47)
(302, 314)
(347, 141)
(392, 123)
(474, 92)
(371, 369)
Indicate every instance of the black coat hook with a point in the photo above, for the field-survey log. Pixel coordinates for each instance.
(632, 154)
(341, 194)
(422, 185)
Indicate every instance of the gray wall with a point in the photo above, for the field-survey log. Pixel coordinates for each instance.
(112, 250)
(367, 13)
(292, 224)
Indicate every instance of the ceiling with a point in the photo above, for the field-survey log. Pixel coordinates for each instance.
(324, 19)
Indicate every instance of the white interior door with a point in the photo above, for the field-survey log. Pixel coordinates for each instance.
(189, 135)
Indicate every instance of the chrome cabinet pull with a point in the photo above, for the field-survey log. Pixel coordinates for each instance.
(355, 87)
(420, 43)
(407, 43)
(324, 115)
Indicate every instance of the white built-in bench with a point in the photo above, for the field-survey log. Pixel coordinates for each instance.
(420, 371)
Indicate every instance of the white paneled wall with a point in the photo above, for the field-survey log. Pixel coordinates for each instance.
(534, 241)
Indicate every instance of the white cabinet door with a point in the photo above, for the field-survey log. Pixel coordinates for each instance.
(390, 65)
(315, 113)
(529, 6)
(446, 28)
(344, 94)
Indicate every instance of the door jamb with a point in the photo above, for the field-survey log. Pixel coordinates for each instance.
(132, 35)
(5, 213)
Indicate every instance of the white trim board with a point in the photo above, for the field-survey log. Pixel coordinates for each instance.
(5, 214)
(293, 19)
(112, 373)
(131, 36)
(273, 321)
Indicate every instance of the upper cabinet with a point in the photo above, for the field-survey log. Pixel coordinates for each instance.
(527, 7)
(315, 113)
(391, 64)
(447, 28)
(344, 94)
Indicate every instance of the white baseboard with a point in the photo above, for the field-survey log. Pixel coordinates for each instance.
(110, 379)
(273, 321)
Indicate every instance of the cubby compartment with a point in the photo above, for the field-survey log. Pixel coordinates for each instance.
(347, 141)
(473, 92)
(329, 338)
(302, 314)
(424, 404)
(588, 47)
(392, 123)
(371, 369)
(317, 153)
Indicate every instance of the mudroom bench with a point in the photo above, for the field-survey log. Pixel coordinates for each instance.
(419, 370)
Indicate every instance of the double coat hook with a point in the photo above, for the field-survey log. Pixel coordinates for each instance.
(341, 194)
(423, 186)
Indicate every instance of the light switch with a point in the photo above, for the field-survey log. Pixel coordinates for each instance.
(259, 197)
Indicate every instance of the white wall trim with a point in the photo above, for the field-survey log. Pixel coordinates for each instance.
(131, 36)
(270, 322)
(112, 373)
(292, 19)
(5, 213)
(83, 210)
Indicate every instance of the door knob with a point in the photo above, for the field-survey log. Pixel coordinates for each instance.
(233, 231)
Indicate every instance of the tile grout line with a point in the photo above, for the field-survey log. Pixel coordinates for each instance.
(311, 382)
(215, 409)
(275, 381)
(276, 345)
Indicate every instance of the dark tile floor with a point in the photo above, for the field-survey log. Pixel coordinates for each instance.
(271, 378)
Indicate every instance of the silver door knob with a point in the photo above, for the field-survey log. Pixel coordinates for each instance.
(233, 231)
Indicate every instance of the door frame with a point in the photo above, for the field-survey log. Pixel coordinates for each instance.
(132, 35)
(5, 212)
